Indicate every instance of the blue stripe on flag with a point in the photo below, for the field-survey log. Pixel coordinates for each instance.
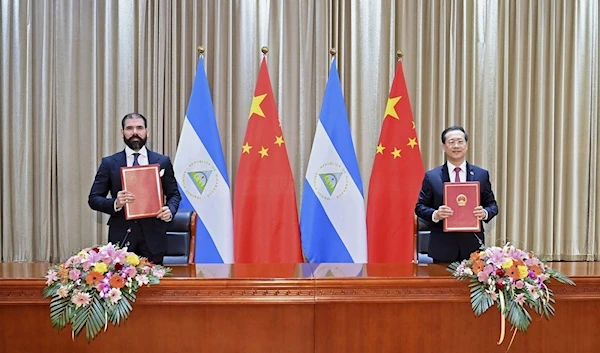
(332, 114)
(201, 115)
(201, 174)
(320, 241)
(205, 251)
(332, 218)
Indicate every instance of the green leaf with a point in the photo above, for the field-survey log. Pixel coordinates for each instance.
(452, 267)
(480, 300)
(90, 316)
(518, 316)
(560, 277)
(58, 312)
(51, 290)
(122, 308)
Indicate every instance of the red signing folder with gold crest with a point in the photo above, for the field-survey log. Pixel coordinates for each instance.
(144, 183)
(462, 198)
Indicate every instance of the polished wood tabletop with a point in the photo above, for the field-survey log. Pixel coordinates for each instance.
(37, 270)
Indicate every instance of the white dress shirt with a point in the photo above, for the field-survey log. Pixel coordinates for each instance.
(142, 158)
(462, 175)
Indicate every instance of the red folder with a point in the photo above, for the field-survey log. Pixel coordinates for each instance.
(144, 183)
(462, 198)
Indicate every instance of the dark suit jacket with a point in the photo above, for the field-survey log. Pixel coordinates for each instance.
(446, 247)
(108, 179)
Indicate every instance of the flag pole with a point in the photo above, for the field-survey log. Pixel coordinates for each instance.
(264, 50)
(399, 56)
(200, 50)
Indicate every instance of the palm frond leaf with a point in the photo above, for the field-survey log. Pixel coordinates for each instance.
(480, 300)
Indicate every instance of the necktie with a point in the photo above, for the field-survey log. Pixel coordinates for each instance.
(135, 159)
(457, 177)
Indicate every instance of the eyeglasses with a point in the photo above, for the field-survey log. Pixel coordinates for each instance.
(456, 142)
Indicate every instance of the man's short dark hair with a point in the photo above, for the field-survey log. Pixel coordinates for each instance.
(133, 116)
(454, 128)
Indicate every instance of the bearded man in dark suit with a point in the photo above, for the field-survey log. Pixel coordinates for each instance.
(146, 237)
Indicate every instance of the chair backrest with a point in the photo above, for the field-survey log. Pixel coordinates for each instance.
(421, 241)
(423, 234)
(181, 238)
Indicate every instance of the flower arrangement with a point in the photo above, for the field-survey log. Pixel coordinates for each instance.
(96, 286)
(513, 279)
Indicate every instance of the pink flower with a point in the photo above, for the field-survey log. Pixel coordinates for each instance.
(533, 290)
(489, 269)
(482, 276)
(103, 288)
(496, 256)
(519, 284)
(142, 279)
(520, 299)
(492, 294)
(130, 271)
(74, 274)
(63, 292)
(114, 295)
(80, 299)
(158, 272)
(51, 277)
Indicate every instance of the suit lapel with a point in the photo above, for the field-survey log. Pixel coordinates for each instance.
(121, 159)
(152, 157)
(445, 175)
(470, 173)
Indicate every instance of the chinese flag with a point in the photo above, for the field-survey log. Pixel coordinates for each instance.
(395, 181)
(265, 214)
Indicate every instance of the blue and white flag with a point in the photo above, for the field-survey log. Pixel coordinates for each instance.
(332, 220)
(202, 176)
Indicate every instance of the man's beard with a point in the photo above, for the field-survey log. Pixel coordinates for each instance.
(135, 144)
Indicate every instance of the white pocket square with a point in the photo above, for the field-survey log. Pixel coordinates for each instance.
(162, 172)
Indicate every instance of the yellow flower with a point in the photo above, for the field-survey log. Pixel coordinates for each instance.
(83, 254)
(507, 264)
(133, 259)
(522, 271)
(101, 268)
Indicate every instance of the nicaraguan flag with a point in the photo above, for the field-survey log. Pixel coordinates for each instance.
(332, 220)
(202, 176)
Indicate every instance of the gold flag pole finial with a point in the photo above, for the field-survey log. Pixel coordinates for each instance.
(332, 51)
(264, 50)
(399, 54)
(200, 50)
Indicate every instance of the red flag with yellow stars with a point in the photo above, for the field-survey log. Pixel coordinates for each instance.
(395, 181)
(265, 214)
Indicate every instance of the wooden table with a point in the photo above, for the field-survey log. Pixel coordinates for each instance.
(290, 308)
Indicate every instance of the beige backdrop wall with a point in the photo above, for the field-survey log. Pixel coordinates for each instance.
(521, 76)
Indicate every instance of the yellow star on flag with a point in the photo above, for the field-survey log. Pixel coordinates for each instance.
(279, 140)
(256, 109)
(380, 148)
(390, 108)
(246, 148)
(263, 152)
(412, 142)
(396, 153)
